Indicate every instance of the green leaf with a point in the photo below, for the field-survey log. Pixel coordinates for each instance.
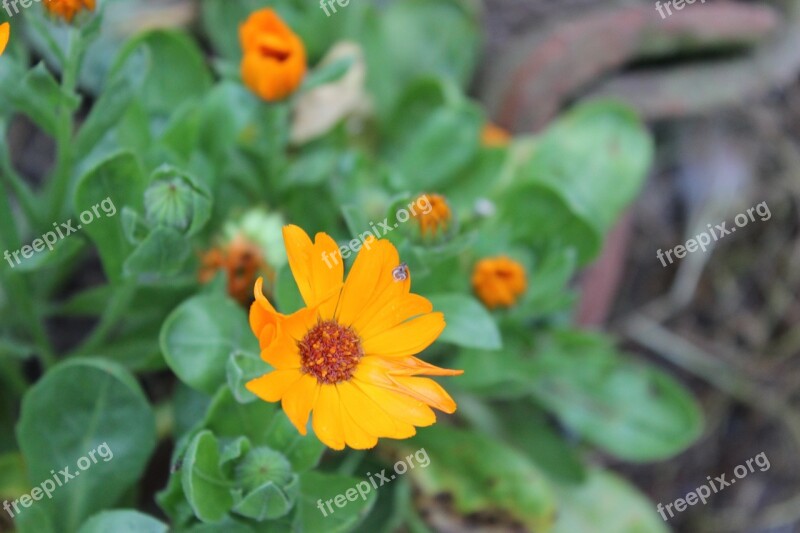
(199, 336)
(631, 411)
(483, 474)
(40, 97)
(265, 424)
(329, 73)
(469, 324)
(315, 486)
(160, 256)
(13, 479)
(120, 180)
(584, 171)
(606, 504)
(172, 66)
(205, 487)
(241, 368)
(123, 521)
(80, 406)
(106, 112)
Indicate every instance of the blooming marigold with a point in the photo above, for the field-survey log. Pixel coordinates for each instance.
(274, 60)
(499, 281)
(348, 356)
(434, 219)
(5, 33)
(494, 136)
(67, 9)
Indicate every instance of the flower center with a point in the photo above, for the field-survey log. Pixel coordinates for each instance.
(330, 352)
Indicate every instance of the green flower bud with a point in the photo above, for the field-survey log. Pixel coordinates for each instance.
(262, 465)
(175, 199)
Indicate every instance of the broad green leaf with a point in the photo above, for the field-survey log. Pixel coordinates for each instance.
(265, 424)
(123, 521)
(584, 171)
(76, 408)
(606, 504)
(632, 411)
(13, 478)
(40, 97)
(172, 66)
(268, 502)
(469, 324)
(483, 474)
(316, 486)
(118, 179)
(204, 485)
(199, 336)
(160, 256)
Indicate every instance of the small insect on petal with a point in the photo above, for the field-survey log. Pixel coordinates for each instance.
(400, 273)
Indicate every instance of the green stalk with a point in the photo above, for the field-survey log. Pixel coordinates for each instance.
(62, 174)
(17, 285)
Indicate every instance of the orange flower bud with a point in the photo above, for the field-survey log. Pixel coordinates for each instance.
(436, 217)
(494, 136)
(5, 33)
(67, 9)
(499, 281)
(274, 62)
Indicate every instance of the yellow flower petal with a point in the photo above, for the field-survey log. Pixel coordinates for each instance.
(271, 387)
(298, 401)
(327, 419)
(370, 276)
(426, 390)
(399, 406)
(315, 279)
(5, 34)
(394, 313)
(367, 413)
(407, 338)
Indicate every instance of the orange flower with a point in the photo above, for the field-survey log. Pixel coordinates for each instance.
(67, 9)
(241, 261)
(348, 356)
(435, 216)
(274, 62)
(5, 33)
(494, 136)
(499, 281)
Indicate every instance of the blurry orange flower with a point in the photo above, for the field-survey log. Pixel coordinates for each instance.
(348, 355)
(274, 62)
(499, 281)
(494, 136)
(5, 33)
(241, 261)
(434, 214)
(67, 9)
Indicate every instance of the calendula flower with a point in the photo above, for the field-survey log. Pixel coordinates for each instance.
(494, 136)
(348, 356)
(274, 62)
(5, 34)
(67, 9)
(241, 261)
(434, 215)
(499, 281)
